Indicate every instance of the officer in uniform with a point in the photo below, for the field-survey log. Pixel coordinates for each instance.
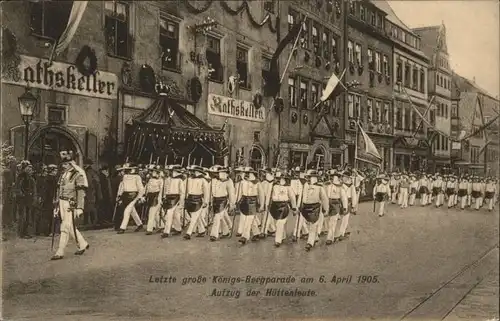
(437, 190)
(154, 200)
(70, 203)
(381, 193)
(477, 192)
(268, 224)
(413, 189)
(394, 187)
(174, 191)
(130, 191)
(450, 190)
(344, 215)
(338, 204)
(490, 191)
(462, 191)
(249, 199)
(223, 200)
(423, 189)
(313, 199)
(197, 200)
(404, 187)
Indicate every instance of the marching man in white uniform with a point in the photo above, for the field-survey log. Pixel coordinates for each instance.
(437, 190)
(223, 201)
(154, 199)
(314, 199)
(197, 200)
(174, 191)
(413, 189)
(70, 198)
(249, 198)
(338, 204)
(358, 180)
(423, 189)
(130, 192)
(296, 186)
(381, 193)
(350, 191)
(267, 223)
(279, 199)
(462, 192)
(404, 187)
(490, 191)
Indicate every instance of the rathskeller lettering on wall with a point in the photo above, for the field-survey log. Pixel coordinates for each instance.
(229, 107)
(38, 73)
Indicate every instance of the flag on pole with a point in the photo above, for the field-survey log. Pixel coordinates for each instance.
(332, 89)
(274, 83)
(75, 17)
(369, 152)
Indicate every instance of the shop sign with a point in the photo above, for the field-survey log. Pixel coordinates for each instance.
(38, 73)
(229, 107)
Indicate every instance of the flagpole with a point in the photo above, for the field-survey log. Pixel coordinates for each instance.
(293, 49)
(356, 144)
(425, 114)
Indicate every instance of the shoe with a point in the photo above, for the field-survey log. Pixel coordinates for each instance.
(329, 242)
(27, 237)
(164, 235)
(158, 231)
(277, 244)
(213, 239)
(80, 252)
(294, 239)
(255, 238)
(261, 235)
(187, 237)
(336, 239)
(138, 229)
(120, 231)
(176, 232)
(308, 247)
(149, 233)
(56, 257)
(271, 233)
(225, 236)
(304, 236)
(200, 234)
(380, 215)
(342, 238)
(242, 240)
(238, 234)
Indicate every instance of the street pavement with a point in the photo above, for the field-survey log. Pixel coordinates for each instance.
(402, 265)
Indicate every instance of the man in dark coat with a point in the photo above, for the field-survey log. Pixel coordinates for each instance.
(106, 203)
(92, 196)
(26, 196)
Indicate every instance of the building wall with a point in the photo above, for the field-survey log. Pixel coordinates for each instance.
(297, 134)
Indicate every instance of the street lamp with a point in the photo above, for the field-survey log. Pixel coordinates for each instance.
(27, 103)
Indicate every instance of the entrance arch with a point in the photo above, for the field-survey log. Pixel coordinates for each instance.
(257, 157)
(46, 143)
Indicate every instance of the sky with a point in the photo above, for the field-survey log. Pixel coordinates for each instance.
(472, 34)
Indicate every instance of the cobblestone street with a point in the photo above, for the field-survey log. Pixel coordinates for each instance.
(414, 253)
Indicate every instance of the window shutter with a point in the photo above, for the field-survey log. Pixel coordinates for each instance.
(91, 147)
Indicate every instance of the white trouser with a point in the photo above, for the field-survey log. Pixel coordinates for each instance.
(479, 202)
(403, 197)
(332, 224)
(241, 223)
(280, 231)
(153, 217)
(249, 226)
(321, 219)
(176, 221)
(270, 223)
(394, 196)
(355, 201)
(463, 201)
(344, 220)
(469, 199)
(423, 199)
(227, 221)
(400, 200)
(195, 221)
(491, 203)
(311, 239)
(380, 206)
(202, 221)
(302, 226)
(169, 219)
(67, 229)
(439, 199)
(130, 211)
(219, 223)
(412, 199)
(451, 200)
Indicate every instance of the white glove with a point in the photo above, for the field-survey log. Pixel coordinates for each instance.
(56, 211)
(78, 212)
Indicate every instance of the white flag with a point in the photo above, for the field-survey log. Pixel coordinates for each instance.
(370, 148)
(74, 20)
(330, 86)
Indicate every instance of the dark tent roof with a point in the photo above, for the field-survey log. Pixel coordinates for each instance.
(165, 111)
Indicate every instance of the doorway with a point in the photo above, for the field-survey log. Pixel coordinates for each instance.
(46, 146)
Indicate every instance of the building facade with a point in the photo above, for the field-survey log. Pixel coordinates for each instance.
(312, 134)
(433, 44)
(369, 59)
(219, 71)
(479, 153)
(409, 70)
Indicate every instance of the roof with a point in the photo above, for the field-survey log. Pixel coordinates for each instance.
(165, 111)
(465, 84)
(429, 39)
(391, 15)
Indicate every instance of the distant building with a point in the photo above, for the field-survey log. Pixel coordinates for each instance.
(475, 107)
(410, 71)
(433, 44)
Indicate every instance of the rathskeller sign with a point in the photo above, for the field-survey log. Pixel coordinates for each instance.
(38, 73)
(229, 107)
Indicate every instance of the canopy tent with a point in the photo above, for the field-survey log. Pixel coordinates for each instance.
(169, 134)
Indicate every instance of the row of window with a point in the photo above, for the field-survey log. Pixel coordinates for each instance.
(376, 60)
(441, 143)
(304, 94)
(411, 75)
(474, 154)
(443, 81)
(377, 111)
(324, 42)
(405, 36)
(374, 18)
(442, 110)
(406, 118)
(443, 63)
